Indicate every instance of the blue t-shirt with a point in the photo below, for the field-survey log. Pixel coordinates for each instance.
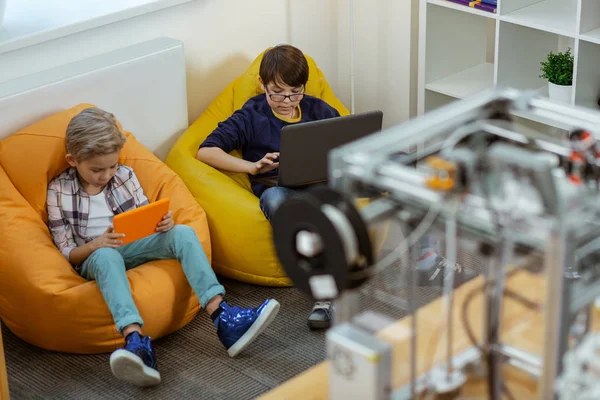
(256, 130)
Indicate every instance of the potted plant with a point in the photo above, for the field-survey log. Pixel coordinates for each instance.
(558, 71)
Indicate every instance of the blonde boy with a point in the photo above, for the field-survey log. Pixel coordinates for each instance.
(82, 202)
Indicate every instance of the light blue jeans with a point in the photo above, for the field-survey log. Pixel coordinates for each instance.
(271, 199)
(107, 267)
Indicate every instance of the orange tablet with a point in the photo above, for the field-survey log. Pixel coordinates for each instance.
(140, 222)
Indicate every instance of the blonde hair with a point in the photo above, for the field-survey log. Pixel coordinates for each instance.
(93, 132)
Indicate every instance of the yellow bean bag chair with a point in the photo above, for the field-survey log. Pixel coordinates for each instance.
(240, 234)
(42, 299)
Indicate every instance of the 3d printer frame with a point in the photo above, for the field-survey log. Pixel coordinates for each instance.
(381, 163)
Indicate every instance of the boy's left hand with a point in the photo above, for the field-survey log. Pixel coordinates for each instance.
(166, 224)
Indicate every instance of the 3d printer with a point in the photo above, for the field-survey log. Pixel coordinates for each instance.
(472, 171)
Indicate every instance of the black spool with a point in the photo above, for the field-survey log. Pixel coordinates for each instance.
(304, 212)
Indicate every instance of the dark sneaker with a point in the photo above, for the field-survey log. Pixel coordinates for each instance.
(320, 316)
(136, 362)
(237, 327)
(435, 275)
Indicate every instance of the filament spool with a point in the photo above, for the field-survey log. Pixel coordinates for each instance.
(320, 237)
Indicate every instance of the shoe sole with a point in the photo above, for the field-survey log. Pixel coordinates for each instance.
(261, 323)
(318, 325)
(130, 368)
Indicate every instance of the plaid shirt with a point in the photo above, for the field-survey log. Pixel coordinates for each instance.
(69, 205)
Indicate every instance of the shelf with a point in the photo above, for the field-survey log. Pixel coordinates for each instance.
(590, 19)
(459, 52)
(465, 83)
(460, 7)
(587, 85)
(554, 17)
(435, 100)
(592, 36)
(520, 52)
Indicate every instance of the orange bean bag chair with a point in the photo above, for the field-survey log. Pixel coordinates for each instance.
(42, 299)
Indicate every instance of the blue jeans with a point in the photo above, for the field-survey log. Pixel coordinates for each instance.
(272, 198)
(107, 267)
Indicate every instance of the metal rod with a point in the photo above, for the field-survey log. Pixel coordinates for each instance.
(521, 359)
(494, 296)
(488, 274)
(554, 260)
(378, 210)
(346, 306)
(448, 287)
(574, 116)
(413, 311)
(423, 128)
(491, 329)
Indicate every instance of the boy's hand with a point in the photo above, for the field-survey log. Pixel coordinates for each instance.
(166, 224)
(265, 164)
(108, 239)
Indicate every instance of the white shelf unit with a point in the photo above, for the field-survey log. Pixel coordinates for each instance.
(459, 60)
(463, 50)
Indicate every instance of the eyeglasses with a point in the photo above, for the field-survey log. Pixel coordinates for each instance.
(278, 98)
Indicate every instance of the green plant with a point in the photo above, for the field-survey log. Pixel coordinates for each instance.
(558, 68)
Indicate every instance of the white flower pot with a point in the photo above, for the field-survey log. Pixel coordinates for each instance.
(2, 10)
(560, 93)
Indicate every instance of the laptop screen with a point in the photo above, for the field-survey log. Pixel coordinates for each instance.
(305, 146)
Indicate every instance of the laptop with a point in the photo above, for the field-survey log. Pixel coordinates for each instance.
(305, 146)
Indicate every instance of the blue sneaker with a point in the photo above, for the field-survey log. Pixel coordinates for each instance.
(237, 327)
(135, 363)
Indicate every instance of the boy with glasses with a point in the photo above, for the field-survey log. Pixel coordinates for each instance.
(256, 129)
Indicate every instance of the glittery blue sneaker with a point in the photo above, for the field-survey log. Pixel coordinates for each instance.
(237, 327)
(136, 362)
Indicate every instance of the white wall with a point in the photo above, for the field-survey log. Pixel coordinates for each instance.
(383, 32)
(221, 37)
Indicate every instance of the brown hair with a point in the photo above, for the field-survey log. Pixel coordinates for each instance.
(284, 63)
(93, 132)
